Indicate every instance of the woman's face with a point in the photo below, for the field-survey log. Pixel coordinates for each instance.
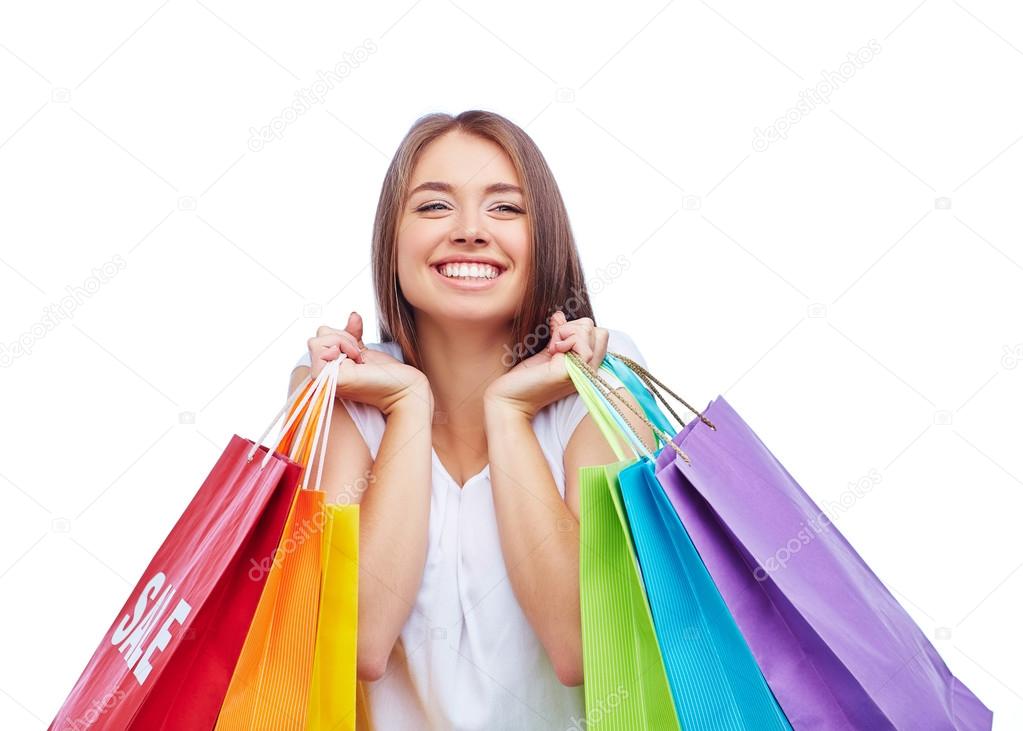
(465, 205)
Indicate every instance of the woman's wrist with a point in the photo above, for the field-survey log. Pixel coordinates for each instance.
(415, 397)
(500, 408)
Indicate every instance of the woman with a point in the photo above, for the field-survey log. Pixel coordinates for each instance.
(462, 436)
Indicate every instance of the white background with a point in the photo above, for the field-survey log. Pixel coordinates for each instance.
(854, 290)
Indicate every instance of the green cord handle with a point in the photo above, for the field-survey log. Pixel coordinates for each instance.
(587, 392)
(588, 381)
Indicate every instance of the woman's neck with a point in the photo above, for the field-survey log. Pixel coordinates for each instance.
(460, 360)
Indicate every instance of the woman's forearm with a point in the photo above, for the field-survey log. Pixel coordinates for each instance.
(393, 520)
(539, 537)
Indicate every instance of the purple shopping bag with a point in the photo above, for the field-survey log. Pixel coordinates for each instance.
(836, 648)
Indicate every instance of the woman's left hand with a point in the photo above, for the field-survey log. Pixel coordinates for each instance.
(543, 378)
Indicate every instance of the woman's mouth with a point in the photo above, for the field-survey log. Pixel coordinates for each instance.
(468, 275)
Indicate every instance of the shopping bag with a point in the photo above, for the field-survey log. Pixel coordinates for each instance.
(337, 700)
(625, 685)
(167, 658)
(836, 648)
(714, 679)
(272, 683)
(332, 699)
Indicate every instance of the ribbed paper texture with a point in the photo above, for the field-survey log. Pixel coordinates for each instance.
(625, 683)
(332, 696)
(715, 681)
(271, 682)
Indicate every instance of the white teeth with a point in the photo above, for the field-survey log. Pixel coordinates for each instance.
(469, 270)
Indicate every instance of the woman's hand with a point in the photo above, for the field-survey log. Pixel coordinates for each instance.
(329, 343)
(367, 376)
(543, 378)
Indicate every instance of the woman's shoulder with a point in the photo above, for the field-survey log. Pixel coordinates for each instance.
(390, 347)
(618, 341)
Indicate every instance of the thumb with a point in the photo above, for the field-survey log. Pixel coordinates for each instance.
(354, 327)
(556, 320)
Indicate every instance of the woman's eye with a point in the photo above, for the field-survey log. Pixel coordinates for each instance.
(509, 208)
(432, 207)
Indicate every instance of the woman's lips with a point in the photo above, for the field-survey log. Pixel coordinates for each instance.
(469, 284)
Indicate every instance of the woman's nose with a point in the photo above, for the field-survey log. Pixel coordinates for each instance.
(467, 234)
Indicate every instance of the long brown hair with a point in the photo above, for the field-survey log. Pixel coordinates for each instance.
(555, 277)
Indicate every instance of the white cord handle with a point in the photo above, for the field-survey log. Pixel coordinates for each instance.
(322, 423)
(310, 393)
(298, 410)
(322, 382)
(326, 429)
(291, 399)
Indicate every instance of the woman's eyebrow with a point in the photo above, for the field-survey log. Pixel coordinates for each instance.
(443, 187)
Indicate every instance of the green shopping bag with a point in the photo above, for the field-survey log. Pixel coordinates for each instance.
(625, 683)
(714, 678)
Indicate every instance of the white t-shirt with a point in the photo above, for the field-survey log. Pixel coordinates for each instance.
(467, 658)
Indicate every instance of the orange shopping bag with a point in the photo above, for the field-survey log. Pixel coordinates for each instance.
(272, 681)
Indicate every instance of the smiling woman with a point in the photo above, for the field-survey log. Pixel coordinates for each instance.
(470, 181)
(463, 435)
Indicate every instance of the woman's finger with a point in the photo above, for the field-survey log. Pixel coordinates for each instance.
(341, 337)
(354, 326)
(352, 329)
(584, 343)
(581, 325)
(562, 345)
(583, 349)
(350, 346)
(574, 343)
(557, 320)
(326, 330)
(572, 330)
(327, 347)
(600, 338)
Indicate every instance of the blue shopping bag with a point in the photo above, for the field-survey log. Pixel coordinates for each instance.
(715, 681)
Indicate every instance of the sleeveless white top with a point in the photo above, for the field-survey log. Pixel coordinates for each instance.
(467, 658)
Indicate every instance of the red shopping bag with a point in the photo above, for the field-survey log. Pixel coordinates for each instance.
(271, 681)
(168, 658)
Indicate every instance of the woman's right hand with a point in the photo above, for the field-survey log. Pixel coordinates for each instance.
(367, 376)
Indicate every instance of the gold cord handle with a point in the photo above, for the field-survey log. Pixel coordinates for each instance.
(607, 390)
(649, 380)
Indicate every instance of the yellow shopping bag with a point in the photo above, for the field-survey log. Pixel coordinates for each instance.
(332, 699)
(297, 668)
